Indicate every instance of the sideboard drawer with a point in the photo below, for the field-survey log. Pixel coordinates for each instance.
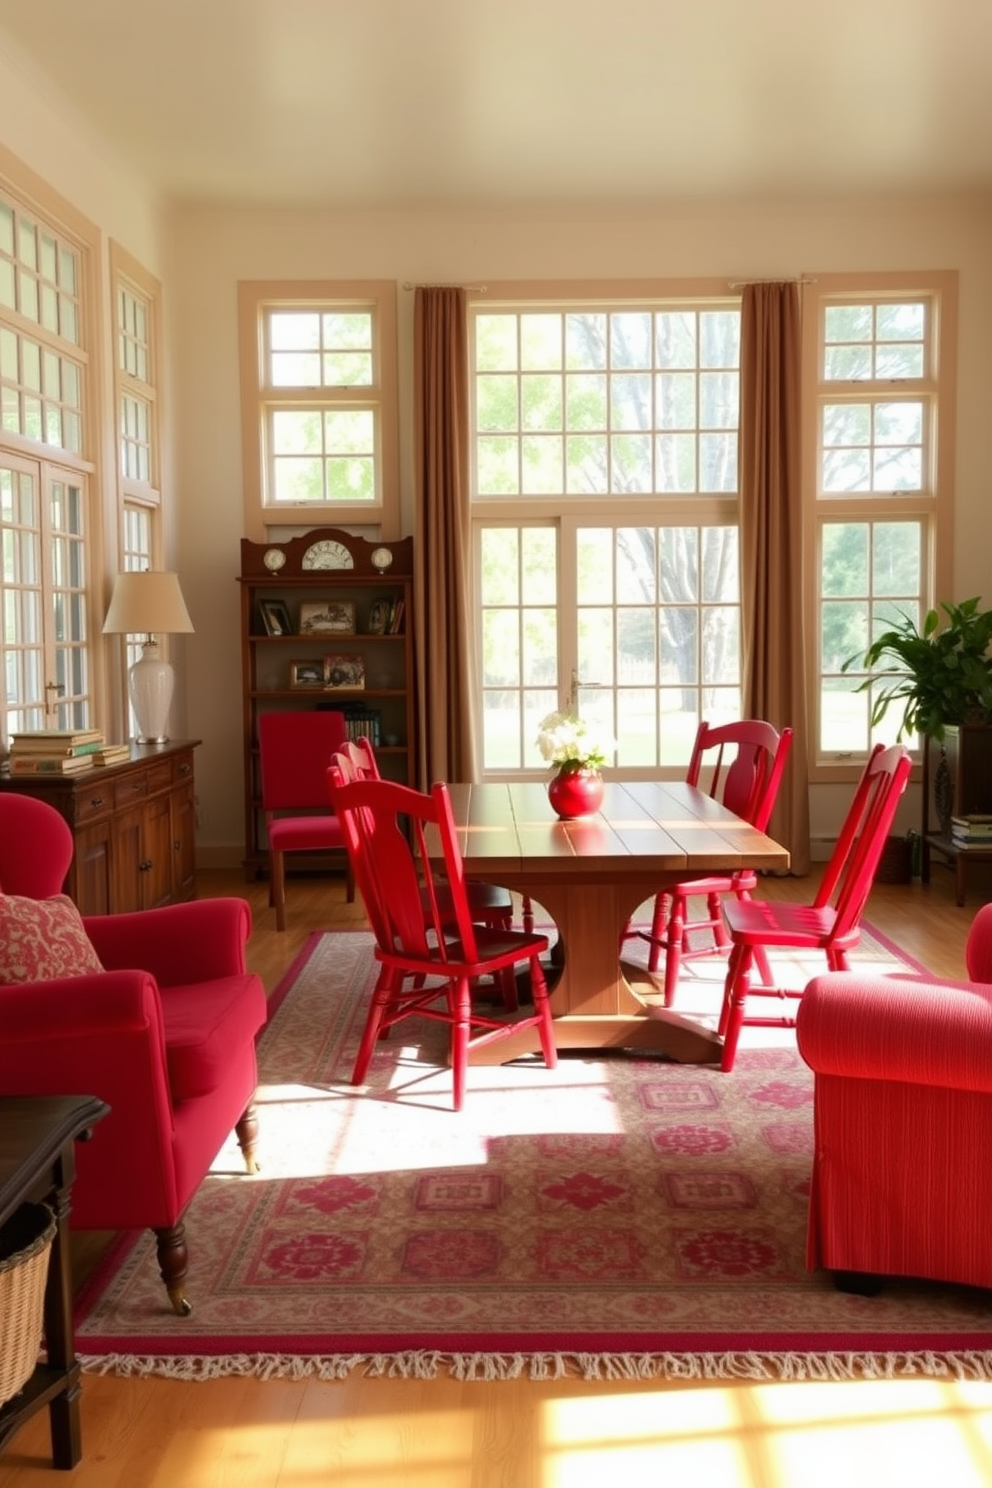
(134, 787)
(90, 804)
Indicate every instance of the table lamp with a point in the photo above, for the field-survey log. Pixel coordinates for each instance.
(149, 603)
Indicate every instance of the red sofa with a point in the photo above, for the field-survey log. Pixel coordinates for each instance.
(902, 1183)
(165, 1034)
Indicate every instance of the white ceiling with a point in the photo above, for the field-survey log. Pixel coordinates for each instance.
(370, 103)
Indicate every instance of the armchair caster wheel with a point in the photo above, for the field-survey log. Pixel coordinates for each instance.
(181, 1306)
(858, 1283)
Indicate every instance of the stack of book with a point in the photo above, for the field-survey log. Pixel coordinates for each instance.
(54, 751)
(973, 830)
(111, 754)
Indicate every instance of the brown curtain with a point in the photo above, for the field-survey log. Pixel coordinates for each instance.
(445, 660)
(771, 543)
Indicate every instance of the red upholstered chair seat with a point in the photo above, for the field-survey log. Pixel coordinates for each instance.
(902, 1185)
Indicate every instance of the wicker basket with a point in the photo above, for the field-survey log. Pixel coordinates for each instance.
(25, 1248)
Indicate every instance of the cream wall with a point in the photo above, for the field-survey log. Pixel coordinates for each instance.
(213, 250)
(53, 154)
(201, 254)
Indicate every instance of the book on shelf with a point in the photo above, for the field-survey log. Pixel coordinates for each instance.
(112, 754)
(396, 618)
(50, 764)
(54, 742)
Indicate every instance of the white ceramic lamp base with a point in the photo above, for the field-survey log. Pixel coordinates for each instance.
(150, 683)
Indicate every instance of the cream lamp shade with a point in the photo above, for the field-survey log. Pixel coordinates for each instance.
(149, 603)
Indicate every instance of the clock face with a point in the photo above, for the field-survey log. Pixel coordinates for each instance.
(382, 558)
(327, 554)
(274, 559)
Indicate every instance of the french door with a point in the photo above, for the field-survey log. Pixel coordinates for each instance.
(636, 627)
(44, 641)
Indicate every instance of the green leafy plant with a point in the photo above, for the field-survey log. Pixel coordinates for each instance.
(942, 676)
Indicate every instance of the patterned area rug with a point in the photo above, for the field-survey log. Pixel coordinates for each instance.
(614, 1217)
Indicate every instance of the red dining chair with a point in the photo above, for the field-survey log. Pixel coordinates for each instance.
(745, 762)
(398, 841)
(490, 904)
(294, 752)
(832, 922)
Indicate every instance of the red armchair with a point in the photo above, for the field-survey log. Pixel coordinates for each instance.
(165, 1034)
(902, 1185)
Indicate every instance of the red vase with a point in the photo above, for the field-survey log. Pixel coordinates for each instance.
(575, 793)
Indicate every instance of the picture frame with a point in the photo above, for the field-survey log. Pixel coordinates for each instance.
(327, 617)
(275, 617)
(344, 673)
(306, 674)
(379, 616)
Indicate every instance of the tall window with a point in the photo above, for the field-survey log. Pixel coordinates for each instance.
(882, 390)
(137, 301)
(44, 380)
(605, 521)
(319, 405)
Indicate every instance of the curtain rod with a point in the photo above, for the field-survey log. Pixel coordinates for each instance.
(473, 288)
(786, 279)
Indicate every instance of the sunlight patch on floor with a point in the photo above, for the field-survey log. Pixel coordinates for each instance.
(862, 1434)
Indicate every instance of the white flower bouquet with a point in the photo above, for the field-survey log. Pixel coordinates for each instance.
(572, 744)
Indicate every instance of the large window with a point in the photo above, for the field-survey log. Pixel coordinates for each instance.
(879, 375)
(319, 405)
(44, 476)
(137, 378)
(605, 522)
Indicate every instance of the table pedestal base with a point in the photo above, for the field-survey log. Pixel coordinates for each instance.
(656, 1030)
(664, 1034)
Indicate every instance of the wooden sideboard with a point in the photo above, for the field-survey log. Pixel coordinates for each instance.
(134, 826)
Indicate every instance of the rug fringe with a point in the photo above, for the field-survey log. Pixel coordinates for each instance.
(426, 1364)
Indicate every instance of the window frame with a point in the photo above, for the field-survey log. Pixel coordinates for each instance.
(933, 505)
(54, 464)
(568, 512)
(255, 298)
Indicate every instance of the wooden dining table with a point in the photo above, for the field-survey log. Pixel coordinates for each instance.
(590, 875)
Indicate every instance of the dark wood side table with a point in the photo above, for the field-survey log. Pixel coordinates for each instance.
(38, 1165)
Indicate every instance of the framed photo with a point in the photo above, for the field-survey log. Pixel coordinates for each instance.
(379, 616)
(344, 673)
(275, 617)
(306, 674)
(328, 617)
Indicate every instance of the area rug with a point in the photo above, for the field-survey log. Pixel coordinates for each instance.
(616, 1217)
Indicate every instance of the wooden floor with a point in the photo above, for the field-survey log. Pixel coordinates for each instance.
(362, 1433)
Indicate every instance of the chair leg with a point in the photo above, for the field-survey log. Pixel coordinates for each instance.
(381, 997)
(247, 1135)
(674, 946)
(527, 914)
(460, 994)
(277, 888)
(734, 1001)
(656, 939)
(714, 908)
(173, 1264)
(542, 1007)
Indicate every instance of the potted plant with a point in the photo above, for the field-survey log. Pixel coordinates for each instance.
(578, 752)
(942, 676)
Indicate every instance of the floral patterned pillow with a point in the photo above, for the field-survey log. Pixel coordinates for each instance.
(42, 938)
